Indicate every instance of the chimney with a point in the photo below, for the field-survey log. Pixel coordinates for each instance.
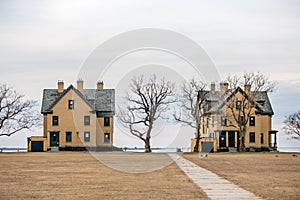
(223, 88)
(100, 85)
(80, 85)
(60, 86)
(212, 88)
(247, 89)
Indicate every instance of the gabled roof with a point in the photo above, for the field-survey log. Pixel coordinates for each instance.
(216, 101)
(98, 100)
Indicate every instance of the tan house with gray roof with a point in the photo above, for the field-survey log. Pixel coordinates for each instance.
(220, 132)
(76, 119)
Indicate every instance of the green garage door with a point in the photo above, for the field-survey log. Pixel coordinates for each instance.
(37, 146)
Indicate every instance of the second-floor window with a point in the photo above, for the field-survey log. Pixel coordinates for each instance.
(223, 121)
(252, 121)
(241, 120)
(106, 121)
(87, 120)
(71, 105)
(54, 120)
(213, 121)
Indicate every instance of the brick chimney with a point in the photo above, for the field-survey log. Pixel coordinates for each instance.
(100, 85)
(80, 86)
(60, 86)
(247, 89)
(212, 88)
(223, 88)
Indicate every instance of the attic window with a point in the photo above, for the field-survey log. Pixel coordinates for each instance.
(223, 121)
(252, 121)
(238, 105)
(106, 121)
(71, 105)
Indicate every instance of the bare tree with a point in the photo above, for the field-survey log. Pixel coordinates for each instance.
(16, 114)
(239, 110)
(190, 102)
(292, 125)
(145, 103)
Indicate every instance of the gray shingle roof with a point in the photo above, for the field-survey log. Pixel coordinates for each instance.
(99, 100)
(216, 101)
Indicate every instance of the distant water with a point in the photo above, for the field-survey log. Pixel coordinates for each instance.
(158, 150)
(6, 149)
(289, 149)
(155, 150)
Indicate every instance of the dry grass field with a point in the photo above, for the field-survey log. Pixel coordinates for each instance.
(268, 175)
(77, 175)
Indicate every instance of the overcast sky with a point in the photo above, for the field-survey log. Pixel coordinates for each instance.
(45, 41)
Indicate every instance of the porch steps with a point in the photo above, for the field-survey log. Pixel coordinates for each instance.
(54, 149)
(232, 150)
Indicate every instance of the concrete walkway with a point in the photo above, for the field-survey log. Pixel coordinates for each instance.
(214, 186)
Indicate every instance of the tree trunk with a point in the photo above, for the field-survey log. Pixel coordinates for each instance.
(196, 147)
(242, 144)
(147, 145)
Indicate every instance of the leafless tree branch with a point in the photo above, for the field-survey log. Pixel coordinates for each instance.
(15, 114)
(190, 103)
(292, 125)
(145, 103)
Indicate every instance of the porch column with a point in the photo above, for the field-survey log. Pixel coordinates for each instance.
(235, 139)
(273, 132)
(227, 142)
(275, 141)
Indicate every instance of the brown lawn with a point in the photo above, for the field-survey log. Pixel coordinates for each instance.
(77, 175)
(268, 175)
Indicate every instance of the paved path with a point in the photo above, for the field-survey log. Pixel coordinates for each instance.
(214, 186)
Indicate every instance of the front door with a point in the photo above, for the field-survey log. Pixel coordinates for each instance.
(54, 139)
(231, 139)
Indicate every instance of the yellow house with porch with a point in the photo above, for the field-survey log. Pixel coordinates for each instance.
(76, 119)
(218, 130)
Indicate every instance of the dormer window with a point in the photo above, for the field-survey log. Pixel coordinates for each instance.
(262, 103)
(71, 105)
